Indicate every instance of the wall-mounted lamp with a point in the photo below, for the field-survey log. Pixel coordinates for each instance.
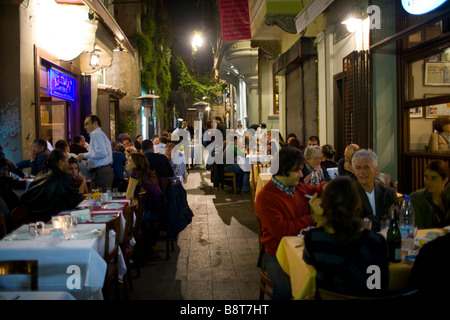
(354, 19)
(95, 60)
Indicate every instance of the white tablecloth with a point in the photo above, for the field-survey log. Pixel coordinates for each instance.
(55, 255)
(35, 295)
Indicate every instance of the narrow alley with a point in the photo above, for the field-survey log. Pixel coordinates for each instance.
(216, 255)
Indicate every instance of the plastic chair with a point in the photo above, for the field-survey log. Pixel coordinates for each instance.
(111, 256)
(126, 247)
(27, 267)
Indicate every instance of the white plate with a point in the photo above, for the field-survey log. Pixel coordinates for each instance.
(103, 217)
(112, 205)
(18, 236)
(84, 235)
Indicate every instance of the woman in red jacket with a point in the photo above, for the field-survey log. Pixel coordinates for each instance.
(283, 210)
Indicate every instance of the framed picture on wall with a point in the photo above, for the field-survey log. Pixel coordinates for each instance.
(437, 74)
(433, 111)
(436, 110)
(416, 112)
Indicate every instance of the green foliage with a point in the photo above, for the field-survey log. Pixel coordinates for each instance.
(195, 87)
(127, 122)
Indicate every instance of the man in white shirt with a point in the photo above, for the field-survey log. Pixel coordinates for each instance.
(99, 156)
(377, 198)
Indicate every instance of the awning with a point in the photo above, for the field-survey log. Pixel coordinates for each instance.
(110, 22)
(147, 96)
(309, 13)
(301, 50)
(112, 91)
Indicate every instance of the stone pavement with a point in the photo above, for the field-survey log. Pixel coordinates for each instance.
(215, 256)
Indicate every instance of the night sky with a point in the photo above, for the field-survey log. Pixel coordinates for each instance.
(186, 17)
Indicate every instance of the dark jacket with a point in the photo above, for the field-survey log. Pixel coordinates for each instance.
(384, 198)
(162, 167)
(49, 194)
(75, 148)
(179, 213)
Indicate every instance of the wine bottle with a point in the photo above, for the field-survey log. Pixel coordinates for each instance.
(394, 240)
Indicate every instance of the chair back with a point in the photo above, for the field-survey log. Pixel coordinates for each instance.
(111, 254)
(330, 295)
(19, 216)
(139, 212)
(128, 231)
(3, 231)
(27, 267)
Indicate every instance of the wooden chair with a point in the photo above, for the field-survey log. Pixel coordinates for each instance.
(163, 233)
(330, 295)
(265, 284)
(111, 256)
(27, 267)
(19, 216)
(138, 233)
(230, 176)
(3, 231)
(254, 181)
(126, 247)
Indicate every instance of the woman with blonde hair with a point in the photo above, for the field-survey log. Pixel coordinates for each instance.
(440, 138)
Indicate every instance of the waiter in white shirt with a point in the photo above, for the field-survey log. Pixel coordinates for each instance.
(99, 156)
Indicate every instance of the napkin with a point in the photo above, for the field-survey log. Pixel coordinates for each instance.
(83, 215)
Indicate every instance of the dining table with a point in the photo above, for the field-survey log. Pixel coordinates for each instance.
(36, 295)
(76, 254)
(303, 276)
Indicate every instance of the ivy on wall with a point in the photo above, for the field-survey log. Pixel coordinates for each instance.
(162, 72)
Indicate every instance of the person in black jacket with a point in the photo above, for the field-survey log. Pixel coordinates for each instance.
(159, 163)
(53, 190)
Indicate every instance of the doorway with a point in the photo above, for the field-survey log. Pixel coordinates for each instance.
(53, 122)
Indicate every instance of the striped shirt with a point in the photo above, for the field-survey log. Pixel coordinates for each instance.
(342, 266)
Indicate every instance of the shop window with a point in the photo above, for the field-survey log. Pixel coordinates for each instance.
(427, 94)
(428, 33)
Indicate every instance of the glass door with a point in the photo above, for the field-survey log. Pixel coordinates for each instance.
(53, 121)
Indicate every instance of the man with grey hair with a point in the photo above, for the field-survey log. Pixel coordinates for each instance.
(377, 199)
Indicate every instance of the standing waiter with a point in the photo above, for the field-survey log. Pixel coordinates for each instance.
(99, 156)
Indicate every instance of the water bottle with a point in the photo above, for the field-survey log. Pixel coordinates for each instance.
(406, 223)
(314, 178)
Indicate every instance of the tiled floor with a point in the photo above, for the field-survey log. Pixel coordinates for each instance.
(215, 256)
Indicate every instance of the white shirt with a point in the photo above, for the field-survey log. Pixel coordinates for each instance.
(371, 197)
(100, 151)
(160, 148)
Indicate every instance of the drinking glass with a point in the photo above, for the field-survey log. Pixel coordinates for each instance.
(32, 228)
(74, 221)
(40, 227)
(115, 192)
(384, 227)
(366, 223)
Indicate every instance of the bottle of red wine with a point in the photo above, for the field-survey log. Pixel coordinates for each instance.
(394, 239)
